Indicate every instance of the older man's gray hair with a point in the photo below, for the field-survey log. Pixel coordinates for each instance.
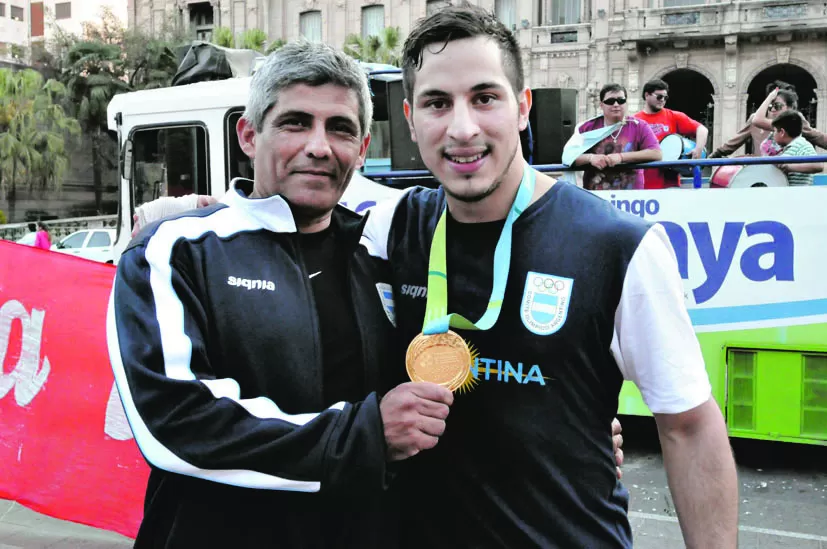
(314, 64)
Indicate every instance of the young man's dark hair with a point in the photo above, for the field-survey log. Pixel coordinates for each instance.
(789, 121)
(454, 23)
(654, 85)
(608, 88)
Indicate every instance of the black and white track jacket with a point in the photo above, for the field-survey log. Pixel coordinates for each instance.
(215, 346)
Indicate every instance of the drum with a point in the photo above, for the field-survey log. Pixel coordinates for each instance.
(678, 147)
(744, 177)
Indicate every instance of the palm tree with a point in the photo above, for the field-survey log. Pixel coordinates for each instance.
(385, 48)
(222, 36)
(151, 62)
(33, 132)
(94, 73)
(275, 45)
(252, 39)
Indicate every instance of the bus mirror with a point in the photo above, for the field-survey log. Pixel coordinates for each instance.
(126, 160)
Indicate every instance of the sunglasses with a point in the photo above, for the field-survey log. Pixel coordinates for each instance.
(661, 96)
(615, 101)
(777, 106)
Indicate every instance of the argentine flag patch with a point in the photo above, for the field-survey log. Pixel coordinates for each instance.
(545, 304)
(386, 295)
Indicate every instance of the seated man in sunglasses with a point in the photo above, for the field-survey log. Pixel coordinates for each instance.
(620, 139)
(665, 122)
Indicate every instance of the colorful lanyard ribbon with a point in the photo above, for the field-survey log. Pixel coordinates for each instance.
(437, 319)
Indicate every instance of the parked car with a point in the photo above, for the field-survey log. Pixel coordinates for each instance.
(94, 244)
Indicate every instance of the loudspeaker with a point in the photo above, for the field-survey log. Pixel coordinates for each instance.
(404, 152)
(553, 117)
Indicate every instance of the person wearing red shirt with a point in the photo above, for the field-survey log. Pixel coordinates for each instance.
(665, 122)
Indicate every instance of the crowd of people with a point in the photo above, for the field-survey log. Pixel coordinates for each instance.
(607, 143)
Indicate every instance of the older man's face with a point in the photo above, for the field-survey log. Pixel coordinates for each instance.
(309, 146)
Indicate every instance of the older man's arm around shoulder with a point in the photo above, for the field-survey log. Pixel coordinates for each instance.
(656, 347)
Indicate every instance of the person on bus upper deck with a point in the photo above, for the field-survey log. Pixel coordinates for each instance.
(750, 131)
(778, 101)
(633, 141)
(249, 339)
(665, 122)
(787, 129)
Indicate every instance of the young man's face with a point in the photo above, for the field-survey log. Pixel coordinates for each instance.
(465, 117)
(657, 99)
(309, 146)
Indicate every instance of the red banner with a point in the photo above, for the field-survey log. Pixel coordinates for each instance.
(65, 447)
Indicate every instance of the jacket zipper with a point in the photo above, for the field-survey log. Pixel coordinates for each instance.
(314, 316)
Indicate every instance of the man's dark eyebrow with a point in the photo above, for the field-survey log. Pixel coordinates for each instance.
(334, 120)
(479, 87)
(487, 86)
(293, 114)
(433, 93)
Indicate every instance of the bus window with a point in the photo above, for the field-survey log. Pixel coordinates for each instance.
(238, 163)
(169, 161)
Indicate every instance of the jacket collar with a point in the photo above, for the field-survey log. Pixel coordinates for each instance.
(274, 214)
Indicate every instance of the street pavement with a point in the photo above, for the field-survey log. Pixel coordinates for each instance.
(783, 501)
(782, 487)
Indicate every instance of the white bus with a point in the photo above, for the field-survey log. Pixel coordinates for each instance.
(182, 140)
(753, 260)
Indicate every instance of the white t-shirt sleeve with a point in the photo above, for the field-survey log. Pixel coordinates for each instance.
(378, 227)
(654, 343)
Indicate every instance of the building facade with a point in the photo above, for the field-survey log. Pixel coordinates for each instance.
(717, 56)
(25, 24)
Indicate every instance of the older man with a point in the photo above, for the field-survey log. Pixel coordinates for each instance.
(248, 338)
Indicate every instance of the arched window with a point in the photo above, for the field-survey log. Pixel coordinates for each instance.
(373, 20)
(310, 25)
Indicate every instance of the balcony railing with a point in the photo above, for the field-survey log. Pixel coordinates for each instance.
(717, 19)
(560, 35)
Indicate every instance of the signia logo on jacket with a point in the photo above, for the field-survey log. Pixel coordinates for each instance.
(251, 284)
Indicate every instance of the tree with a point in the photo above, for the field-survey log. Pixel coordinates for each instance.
(222, 36)
(275, 45)
(385, 48)
(108, 29)
(33, 132)
(149, 62)
(94, 73)
(252, 39)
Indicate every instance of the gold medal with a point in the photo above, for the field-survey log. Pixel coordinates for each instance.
(443, 359)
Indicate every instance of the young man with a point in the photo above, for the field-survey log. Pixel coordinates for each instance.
(665, 122)
(631, 141)
(572, 296)
(245, 336)
(786, 131)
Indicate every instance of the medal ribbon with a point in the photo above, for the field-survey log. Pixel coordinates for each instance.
(437, 319)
